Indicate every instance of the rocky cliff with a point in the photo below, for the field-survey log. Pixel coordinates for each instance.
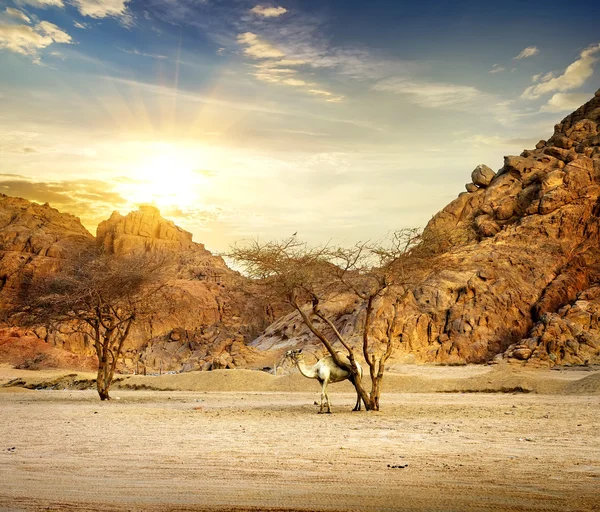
(524, 285)
(34, 240)
(217, 314)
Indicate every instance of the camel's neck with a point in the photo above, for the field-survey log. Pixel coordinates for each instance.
(309, 373)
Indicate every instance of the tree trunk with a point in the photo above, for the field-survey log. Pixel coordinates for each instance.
(103, 380)
(376, 391)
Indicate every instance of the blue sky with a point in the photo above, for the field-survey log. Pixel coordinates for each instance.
(341, 120)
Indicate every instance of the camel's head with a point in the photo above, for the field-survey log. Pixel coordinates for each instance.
(294, 355)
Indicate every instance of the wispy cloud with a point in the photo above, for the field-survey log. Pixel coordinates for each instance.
(91, 8)
(565, 102)
(41, 3)
(573, 77)
(542, 77)
(83, 198)
(268, 12)
(19, 15)
(102, 8)
(497, 68)
(135, 51)
(258, 48)
(530, 51)
(479, 141)
(28, 41)
(52, 31)
(431, 94)
(303, 36)
(329, 96)
(275, 67)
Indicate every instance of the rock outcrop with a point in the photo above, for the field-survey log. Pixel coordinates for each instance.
(519, 280)
(216, 315)
(144, 229)
(34, 240)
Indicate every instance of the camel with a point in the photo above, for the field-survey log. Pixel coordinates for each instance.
(325, 371)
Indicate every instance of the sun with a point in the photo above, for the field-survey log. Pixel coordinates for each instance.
(167, 176)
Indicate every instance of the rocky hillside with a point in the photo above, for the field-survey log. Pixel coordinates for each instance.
(34, 240)
(526, 287)
(519, 281)
(217, 316)
(218, 313)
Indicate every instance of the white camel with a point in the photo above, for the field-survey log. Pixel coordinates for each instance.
(325, 371)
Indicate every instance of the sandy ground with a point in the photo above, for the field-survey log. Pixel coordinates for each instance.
(270, 450)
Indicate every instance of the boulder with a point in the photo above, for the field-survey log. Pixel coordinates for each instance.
(482, 175)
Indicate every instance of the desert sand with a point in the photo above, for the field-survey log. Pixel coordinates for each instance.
(241, 440)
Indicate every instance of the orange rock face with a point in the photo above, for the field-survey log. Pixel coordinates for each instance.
(34, 239)
(216, 315)
(524, 288)
(143, 229)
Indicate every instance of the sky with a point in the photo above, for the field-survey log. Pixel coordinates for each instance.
(341, 120)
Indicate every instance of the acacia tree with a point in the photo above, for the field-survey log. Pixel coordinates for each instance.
(310, 277)
(100, 296)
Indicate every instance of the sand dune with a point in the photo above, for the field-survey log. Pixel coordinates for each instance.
(404, 379)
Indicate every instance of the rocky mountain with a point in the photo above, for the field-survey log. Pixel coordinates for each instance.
(34, 239)
(519, 280)
(217, 315)
(527, 285)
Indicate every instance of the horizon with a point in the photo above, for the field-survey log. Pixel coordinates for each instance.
(243, 119)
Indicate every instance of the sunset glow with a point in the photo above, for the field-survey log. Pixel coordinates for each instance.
(168, 177)
(243, 119)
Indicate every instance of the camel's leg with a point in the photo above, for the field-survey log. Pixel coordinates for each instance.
(358, 404)
(326, 397)
(322, 396)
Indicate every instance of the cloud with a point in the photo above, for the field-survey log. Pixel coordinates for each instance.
(542, 77)
(496, 68)
(573, 77)
(431, 94)
(103, 8)
(258, 48)
(75, 195)
(135, 51)
(281, 62)
(15, 13)
(51, 30)
(530, 51)
(562, 102)
(479, 141)
(274, 75)
(28, 41)
(90, 200)
(329, 96)
(274, 67)
(268, 12)
(77, 24)
(42, 4)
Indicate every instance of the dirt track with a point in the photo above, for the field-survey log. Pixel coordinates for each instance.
(177, 450)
